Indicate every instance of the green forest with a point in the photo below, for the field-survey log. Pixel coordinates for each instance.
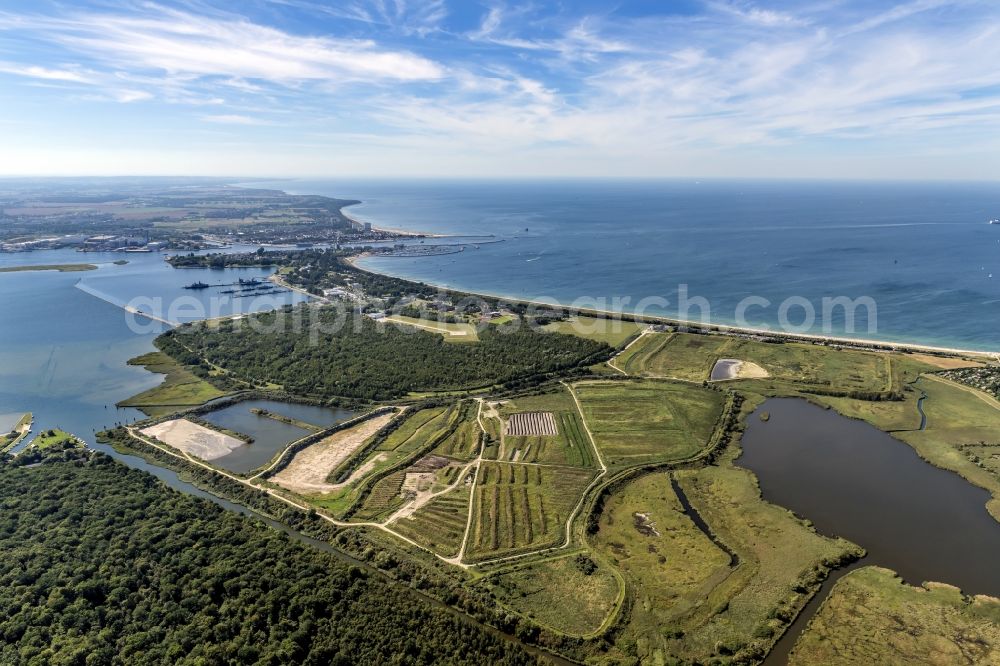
(367, 360)
(103, 564)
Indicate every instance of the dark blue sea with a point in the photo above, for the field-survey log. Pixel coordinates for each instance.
(924, 253)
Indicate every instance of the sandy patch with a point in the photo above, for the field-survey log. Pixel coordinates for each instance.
(194, 439)
(734, 368)
(418, 488)
(307, 471)
(750, 370)
(946, 363)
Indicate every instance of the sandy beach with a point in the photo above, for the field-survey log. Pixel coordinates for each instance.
(722, 328)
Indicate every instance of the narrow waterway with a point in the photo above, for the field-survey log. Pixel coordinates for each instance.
(853, 480)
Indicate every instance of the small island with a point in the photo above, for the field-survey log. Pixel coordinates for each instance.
(62, 268)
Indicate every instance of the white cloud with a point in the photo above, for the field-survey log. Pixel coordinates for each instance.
(181, 43)
(578, 92)
(753, 14)
(233, 119)
(127, 96)
(37, 72)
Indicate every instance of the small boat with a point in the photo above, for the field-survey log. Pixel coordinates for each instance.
(994, 221)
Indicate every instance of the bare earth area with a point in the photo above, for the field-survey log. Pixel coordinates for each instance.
(750, 370)
(307, 471)
(193, 439)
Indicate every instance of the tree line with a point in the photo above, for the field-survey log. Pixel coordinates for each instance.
(373, 361)
(105, 565)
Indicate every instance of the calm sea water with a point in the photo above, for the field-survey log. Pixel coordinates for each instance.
(64, 340)
(923, 252)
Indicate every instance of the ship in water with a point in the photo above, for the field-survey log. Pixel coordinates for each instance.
(994, 221)
(196, 285)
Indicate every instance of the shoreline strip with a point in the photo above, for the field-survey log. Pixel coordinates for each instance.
(723, 328)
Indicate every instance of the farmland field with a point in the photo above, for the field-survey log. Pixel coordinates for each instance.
(385, 497)
(673, 355)
(463, 441)
(637, 423)
(522, 507)
(570, 446)
(420, 430)
(440, 524)
(691, 357)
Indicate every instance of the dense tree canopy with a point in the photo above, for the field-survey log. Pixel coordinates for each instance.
(103, 564)
(365, 359)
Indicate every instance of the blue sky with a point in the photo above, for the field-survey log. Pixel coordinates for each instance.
(729, 88)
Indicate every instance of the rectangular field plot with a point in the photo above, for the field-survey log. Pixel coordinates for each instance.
(420, 428)
(386, 496)
(463, 440)
(567, 445)
(532, 423)
(440, 524)
(612, 332)
(691, 357)
(674, 355)
(639, 423)
(518, 508)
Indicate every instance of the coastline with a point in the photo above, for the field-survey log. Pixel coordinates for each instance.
(402, 232)
(722, 328)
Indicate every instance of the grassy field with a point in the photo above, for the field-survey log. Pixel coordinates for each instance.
(691, 357)
(887, 415)
(180, 388)
(419, 431)
(62, 268)
(873, 617)
(463, 442)
(385, 498)
(52, 437)
(612, 332)
(674, 355)
(637, 423)
(671, 568)
(522, 507)
(962, 434)
(573, 594)
(779, 559)
(440, 524)
(451, 332)
(569, 447)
